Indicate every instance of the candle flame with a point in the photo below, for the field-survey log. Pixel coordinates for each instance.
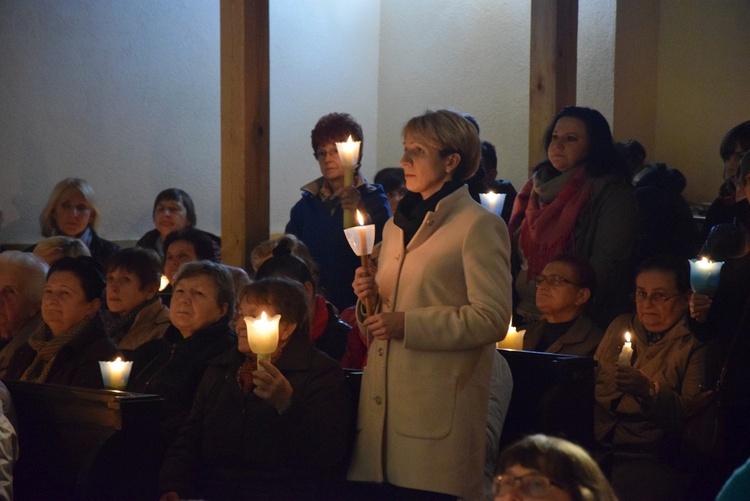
(350, 139)
(118, 360)
(627, 337)
(360, 219)
(263, 316)
(705, 260)
(164, 283)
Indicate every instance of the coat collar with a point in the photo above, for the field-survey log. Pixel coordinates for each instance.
(434, 219)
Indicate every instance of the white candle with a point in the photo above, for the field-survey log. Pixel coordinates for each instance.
(164, 283)
(493, 202)
(704, 275)
(361, 238)
(626, 354)
(263, 334)
(115, 374)
(349, 152)
(513, 339)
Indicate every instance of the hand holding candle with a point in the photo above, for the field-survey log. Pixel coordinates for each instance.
(626, 354)
(263, 335)
(349, 157)
(115, 374)
(362, 239)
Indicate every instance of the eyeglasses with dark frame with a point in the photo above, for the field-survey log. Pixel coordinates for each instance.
(655, 297)
(533, 484)
(322, 153)
(553, 281)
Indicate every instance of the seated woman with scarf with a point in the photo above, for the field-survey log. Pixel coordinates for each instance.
(66, 350)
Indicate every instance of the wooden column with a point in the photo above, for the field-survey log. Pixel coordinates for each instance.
(244, 128)
(554, 47)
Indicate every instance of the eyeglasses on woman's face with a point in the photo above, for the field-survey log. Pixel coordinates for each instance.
(322, 153)
(553, 280)
(655, 297)
(534, 485)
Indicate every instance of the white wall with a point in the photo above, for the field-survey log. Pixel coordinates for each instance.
(596, 55)
(124, 94)
(704, 87)
(472, 56)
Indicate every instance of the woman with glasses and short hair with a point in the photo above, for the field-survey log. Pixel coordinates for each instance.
(551, 468)
(640, 405)
(563, 290)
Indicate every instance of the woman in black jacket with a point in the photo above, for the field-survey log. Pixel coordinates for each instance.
(278, 433)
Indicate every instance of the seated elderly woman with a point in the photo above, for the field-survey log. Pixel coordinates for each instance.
(22, 278)
(278, 431)
(173, 211)
(71, 211)
(172, 366)
(51, 249)
(544, 467)
(135, 313)
(180, 247)
(327, 331)
(562, 293)
(68, 347)
(641, 394)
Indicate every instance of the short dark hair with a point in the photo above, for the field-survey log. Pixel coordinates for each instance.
(204, 248)
(285, 264)
(221, 276)
(336, 127)
(489, 156)
(678, 267)
(390, 178)
(287, 297)
(585, 274)
(179, 196)
(88, 272)
(602, 158)
(739, 134)
(143, 263)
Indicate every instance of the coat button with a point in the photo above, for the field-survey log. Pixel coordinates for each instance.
(381, 351)
(387, 303)
(378, 400)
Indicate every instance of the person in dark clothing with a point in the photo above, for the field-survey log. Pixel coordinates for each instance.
(172, 367)
(67, 348)
(173, 211)
(278, 431)
(327, 331)
(318, 218)
(484, 181)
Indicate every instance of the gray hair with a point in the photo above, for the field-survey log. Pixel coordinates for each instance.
(32, 269)
(221, 276)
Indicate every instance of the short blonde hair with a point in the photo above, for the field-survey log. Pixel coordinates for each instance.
(449, 132)
(47, 219)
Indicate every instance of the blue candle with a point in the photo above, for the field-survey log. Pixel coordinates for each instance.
(704, 275)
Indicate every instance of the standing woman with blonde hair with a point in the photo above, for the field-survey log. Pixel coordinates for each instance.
(443, 296)
(71, 211)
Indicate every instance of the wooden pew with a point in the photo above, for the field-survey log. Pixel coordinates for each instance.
(552, 394)
(84, 444)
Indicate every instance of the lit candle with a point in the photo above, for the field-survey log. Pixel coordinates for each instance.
(115, 374)
(361, 239)
(164, 283)
(349, 153)
(626, 354)
(493, 202)
(263, 335)
(513, 339)
(349, 157)
(704, 275)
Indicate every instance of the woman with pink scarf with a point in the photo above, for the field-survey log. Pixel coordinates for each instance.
(578, 200)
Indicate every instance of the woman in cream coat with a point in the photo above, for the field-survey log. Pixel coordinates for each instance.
(443, 298)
